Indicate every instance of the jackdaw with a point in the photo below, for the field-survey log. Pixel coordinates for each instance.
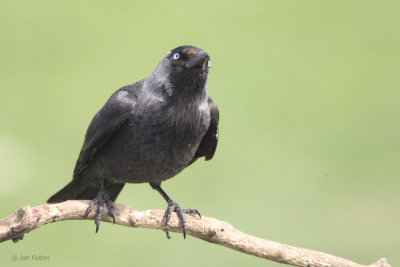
(148, 132)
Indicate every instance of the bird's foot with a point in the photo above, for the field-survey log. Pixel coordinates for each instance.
(102, 197)
(174, 207)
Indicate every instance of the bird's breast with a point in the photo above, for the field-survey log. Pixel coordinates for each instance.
(156, 144)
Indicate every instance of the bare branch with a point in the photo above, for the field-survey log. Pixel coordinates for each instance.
(209, 229)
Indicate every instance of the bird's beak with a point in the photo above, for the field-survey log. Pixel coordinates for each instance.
(200, 60)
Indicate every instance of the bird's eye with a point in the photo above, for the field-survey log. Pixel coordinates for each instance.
(176, 56)
(209, 63)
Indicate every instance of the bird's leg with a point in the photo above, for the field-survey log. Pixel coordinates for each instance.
(102, 197)
(174, 207)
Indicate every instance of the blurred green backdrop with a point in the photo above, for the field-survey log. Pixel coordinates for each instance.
(309, 148)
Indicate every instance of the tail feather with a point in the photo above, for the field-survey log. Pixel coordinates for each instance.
(75, 190)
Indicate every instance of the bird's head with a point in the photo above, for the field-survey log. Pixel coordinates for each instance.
(188, 59)
(184, 68)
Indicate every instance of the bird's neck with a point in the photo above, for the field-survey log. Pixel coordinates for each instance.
(192, 91)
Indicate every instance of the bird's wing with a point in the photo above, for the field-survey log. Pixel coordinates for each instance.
(104, 125)
(208, 144)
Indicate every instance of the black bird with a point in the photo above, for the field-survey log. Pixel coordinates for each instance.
(148, 132)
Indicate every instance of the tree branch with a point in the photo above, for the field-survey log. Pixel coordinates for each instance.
(209, 229)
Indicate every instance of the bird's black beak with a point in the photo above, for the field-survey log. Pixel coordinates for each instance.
(200, 60)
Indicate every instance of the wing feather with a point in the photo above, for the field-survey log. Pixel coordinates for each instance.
(103, 126)
(209, 142)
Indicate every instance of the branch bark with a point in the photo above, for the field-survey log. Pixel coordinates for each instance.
(209, 229)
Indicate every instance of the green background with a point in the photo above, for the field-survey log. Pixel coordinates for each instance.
(309, 149)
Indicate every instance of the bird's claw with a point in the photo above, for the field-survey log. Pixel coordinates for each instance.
(174, 207)
(102, 197)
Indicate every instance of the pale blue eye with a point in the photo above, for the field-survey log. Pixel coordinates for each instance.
(209, 63)
(176, 56)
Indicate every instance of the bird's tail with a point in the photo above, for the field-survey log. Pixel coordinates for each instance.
(75, 190)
